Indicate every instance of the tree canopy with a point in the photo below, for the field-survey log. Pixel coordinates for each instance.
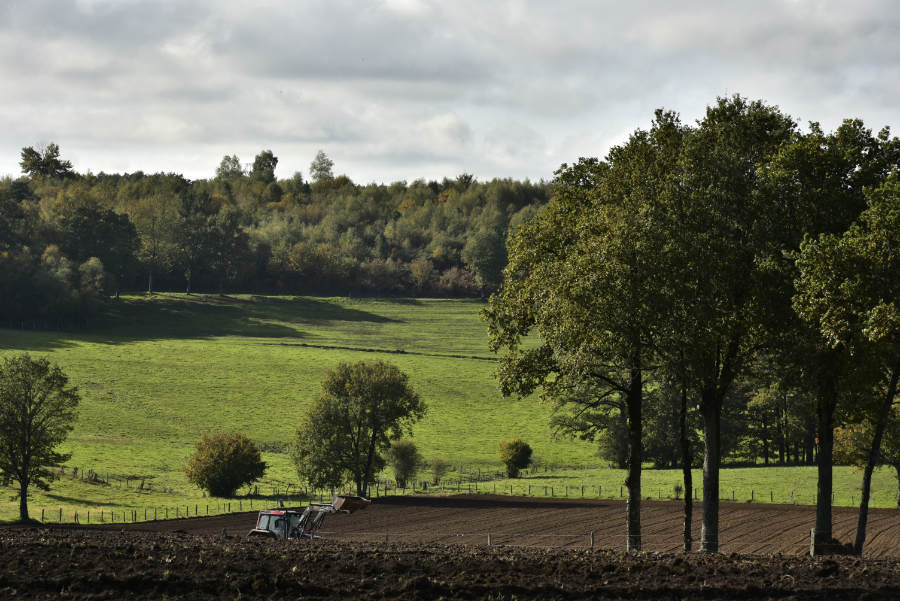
(362, 408)
(37, 412)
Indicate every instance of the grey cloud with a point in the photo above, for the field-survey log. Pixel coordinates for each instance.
(393, 86)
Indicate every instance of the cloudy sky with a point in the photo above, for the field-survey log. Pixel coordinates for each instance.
(401, 89)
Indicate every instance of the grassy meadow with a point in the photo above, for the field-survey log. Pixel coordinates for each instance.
(155, 373)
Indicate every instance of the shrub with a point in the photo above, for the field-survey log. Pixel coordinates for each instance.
(405, 460)
(438, 468)
(515, 455)
(224, 462)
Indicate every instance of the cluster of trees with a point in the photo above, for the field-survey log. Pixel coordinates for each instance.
(67, 239)
(738, 266)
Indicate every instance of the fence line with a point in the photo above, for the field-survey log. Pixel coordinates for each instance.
(296, 494)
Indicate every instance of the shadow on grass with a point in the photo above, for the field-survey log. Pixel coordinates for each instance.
(171, 316)
(77, 501)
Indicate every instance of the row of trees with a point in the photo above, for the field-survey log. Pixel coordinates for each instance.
(696, 263)
(68, 239)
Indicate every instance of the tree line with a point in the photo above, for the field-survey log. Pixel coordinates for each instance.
(70, 240)
(734, 274)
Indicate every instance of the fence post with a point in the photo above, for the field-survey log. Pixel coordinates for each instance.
(592, 539)
(489, 539)
(42, 514)
(60, 515)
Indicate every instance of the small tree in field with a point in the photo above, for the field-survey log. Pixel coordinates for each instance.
(37, 411)
(225, 462)
(438, 468)
(515, 455)
(405, 460)
(362, 408)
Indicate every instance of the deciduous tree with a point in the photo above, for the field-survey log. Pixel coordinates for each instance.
(363, 406)
(849, 286)
(585, 276)
(37, 412)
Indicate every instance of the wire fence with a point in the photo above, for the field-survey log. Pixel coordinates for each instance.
(471, 482)
(295, 494)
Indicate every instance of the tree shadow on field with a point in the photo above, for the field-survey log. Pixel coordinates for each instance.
(179, 316)
(77, 501)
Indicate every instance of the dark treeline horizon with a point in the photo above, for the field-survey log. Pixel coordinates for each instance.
(68, 241)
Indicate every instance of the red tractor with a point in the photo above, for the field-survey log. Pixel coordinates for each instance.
(294, 523)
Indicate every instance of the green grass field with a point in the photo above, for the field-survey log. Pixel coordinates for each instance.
(155, 373)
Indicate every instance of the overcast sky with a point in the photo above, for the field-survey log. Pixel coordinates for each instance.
(402, 89)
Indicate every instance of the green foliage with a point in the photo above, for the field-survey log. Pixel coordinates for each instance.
(37, 412)
(229, 168)
(438, 468)
(405, 460)
(264, 167)
(44, 162)
(515, 455)
(362, 408)
(224, 462)
(320, 170)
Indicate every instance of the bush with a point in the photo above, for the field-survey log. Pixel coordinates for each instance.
(438, 468)
(405, 460)
(515, 455)
(225, 462)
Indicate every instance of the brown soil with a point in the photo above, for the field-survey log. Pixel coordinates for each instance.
(520, 521)
(438, 549)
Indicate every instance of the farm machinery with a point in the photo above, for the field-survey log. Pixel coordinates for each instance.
(296, 523)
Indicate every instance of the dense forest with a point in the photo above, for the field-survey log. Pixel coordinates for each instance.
(68, 240)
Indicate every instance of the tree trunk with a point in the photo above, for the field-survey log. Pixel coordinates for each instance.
(622, 457)
(883, 413)
(809, 450)
(369, 462)
(633, 481)
(686, 463)
(897, 468)
(779, 419)
(150, 282)
(825, 406)
(23, 501)
(711, 408)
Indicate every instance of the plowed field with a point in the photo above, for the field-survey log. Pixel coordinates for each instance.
(398, 549)
(518, 521)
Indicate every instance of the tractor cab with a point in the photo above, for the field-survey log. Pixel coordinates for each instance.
(291, 523)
